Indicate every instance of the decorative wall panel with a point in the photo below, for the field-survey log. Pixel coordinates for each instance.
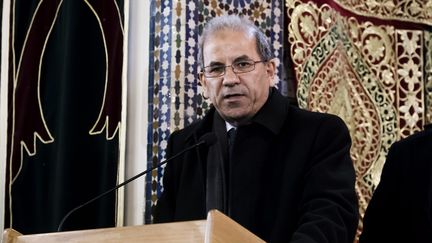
(428, 75)
(373, 73)
(417, 11)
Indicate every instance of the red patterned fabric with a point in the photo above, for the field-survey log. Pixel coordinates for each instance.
(370, 63)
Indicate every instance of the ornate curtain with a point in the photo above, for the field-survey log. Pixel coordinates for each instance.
(65, 100)
(370, 62)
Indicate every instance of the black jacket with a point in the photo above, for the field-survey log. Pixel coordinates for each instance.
(401, 207)
(292, 178)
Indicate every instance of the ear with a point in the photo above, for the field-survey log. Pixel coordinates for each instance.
(203, 82)
(271, 71)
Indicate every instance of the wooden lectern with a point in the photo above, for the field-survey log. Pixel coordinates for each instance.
(217, 228)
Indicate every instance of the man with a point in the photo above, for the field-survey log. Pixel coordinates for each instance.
(286, 177)
(401, 207)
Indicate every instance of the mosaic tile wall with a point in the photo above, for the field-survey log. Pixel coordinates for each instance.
(174, 94)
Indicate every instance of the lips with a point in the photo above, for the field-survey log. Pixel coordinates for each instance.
(233, 98)
(229, 93)
(227, 96)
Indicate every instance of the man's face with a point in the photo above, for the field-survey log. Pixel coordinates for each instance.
(236, 97)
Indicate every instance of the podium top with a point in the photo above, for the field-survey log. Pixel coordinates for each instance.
(217, 228)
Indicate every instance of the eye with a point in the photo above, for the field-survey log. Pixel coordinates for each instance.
(243, 65)
(215, 69)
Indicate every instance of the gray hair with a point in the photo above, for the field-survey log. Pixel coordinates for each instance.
(237, 23)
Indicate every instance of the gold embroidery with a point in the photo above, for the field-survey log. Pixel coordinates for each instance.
(428, 76)
(410, 81)
(418, 11)
(369, 75)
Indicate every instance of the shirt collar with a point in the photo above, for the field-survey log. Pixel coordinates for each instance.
(229, 126)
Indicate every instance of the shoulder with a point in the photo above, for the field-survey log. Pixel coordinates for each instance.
(417, 141)
(186, 133)
(192, 132)
(296, 117)
(311, 119)
(320, 130)
(410, 154)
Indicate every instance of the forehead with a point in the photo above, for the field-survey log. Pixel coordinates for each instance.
(226, 44)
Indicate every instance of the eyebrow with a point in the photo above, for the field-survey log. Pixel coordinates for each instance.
(215, 64)
(240, 58)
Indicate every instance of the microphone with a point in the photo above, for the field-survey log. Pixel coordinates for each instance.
(207, 139)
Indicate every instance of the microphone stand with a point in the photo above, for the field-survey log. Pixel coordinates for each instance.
(202, 141)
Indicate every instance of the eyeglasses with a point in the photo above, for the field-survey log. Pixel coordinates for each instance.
(215, 71)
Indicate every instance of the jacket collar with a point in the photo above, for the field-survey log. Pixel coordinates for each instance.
(202, 126)
(271, 116)
(273, 113)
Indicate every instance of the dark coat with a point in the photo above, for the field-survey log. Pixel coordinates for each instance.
(292, 178)
(401, 207)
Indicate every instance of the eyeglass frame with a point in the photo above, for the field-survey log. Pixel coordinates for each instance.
(232, 68)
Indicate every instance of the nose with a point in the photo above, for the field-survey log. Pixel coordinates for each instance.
(230, 78)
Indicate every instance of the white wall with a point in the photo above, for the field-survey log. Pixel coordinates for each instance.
(3, 108)
(137, 101)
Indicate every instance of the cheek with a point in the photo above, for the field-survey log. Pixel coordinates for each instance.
(207, 88)
(212, 89)
(261, 90)
(205, 92)
(209, 92)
